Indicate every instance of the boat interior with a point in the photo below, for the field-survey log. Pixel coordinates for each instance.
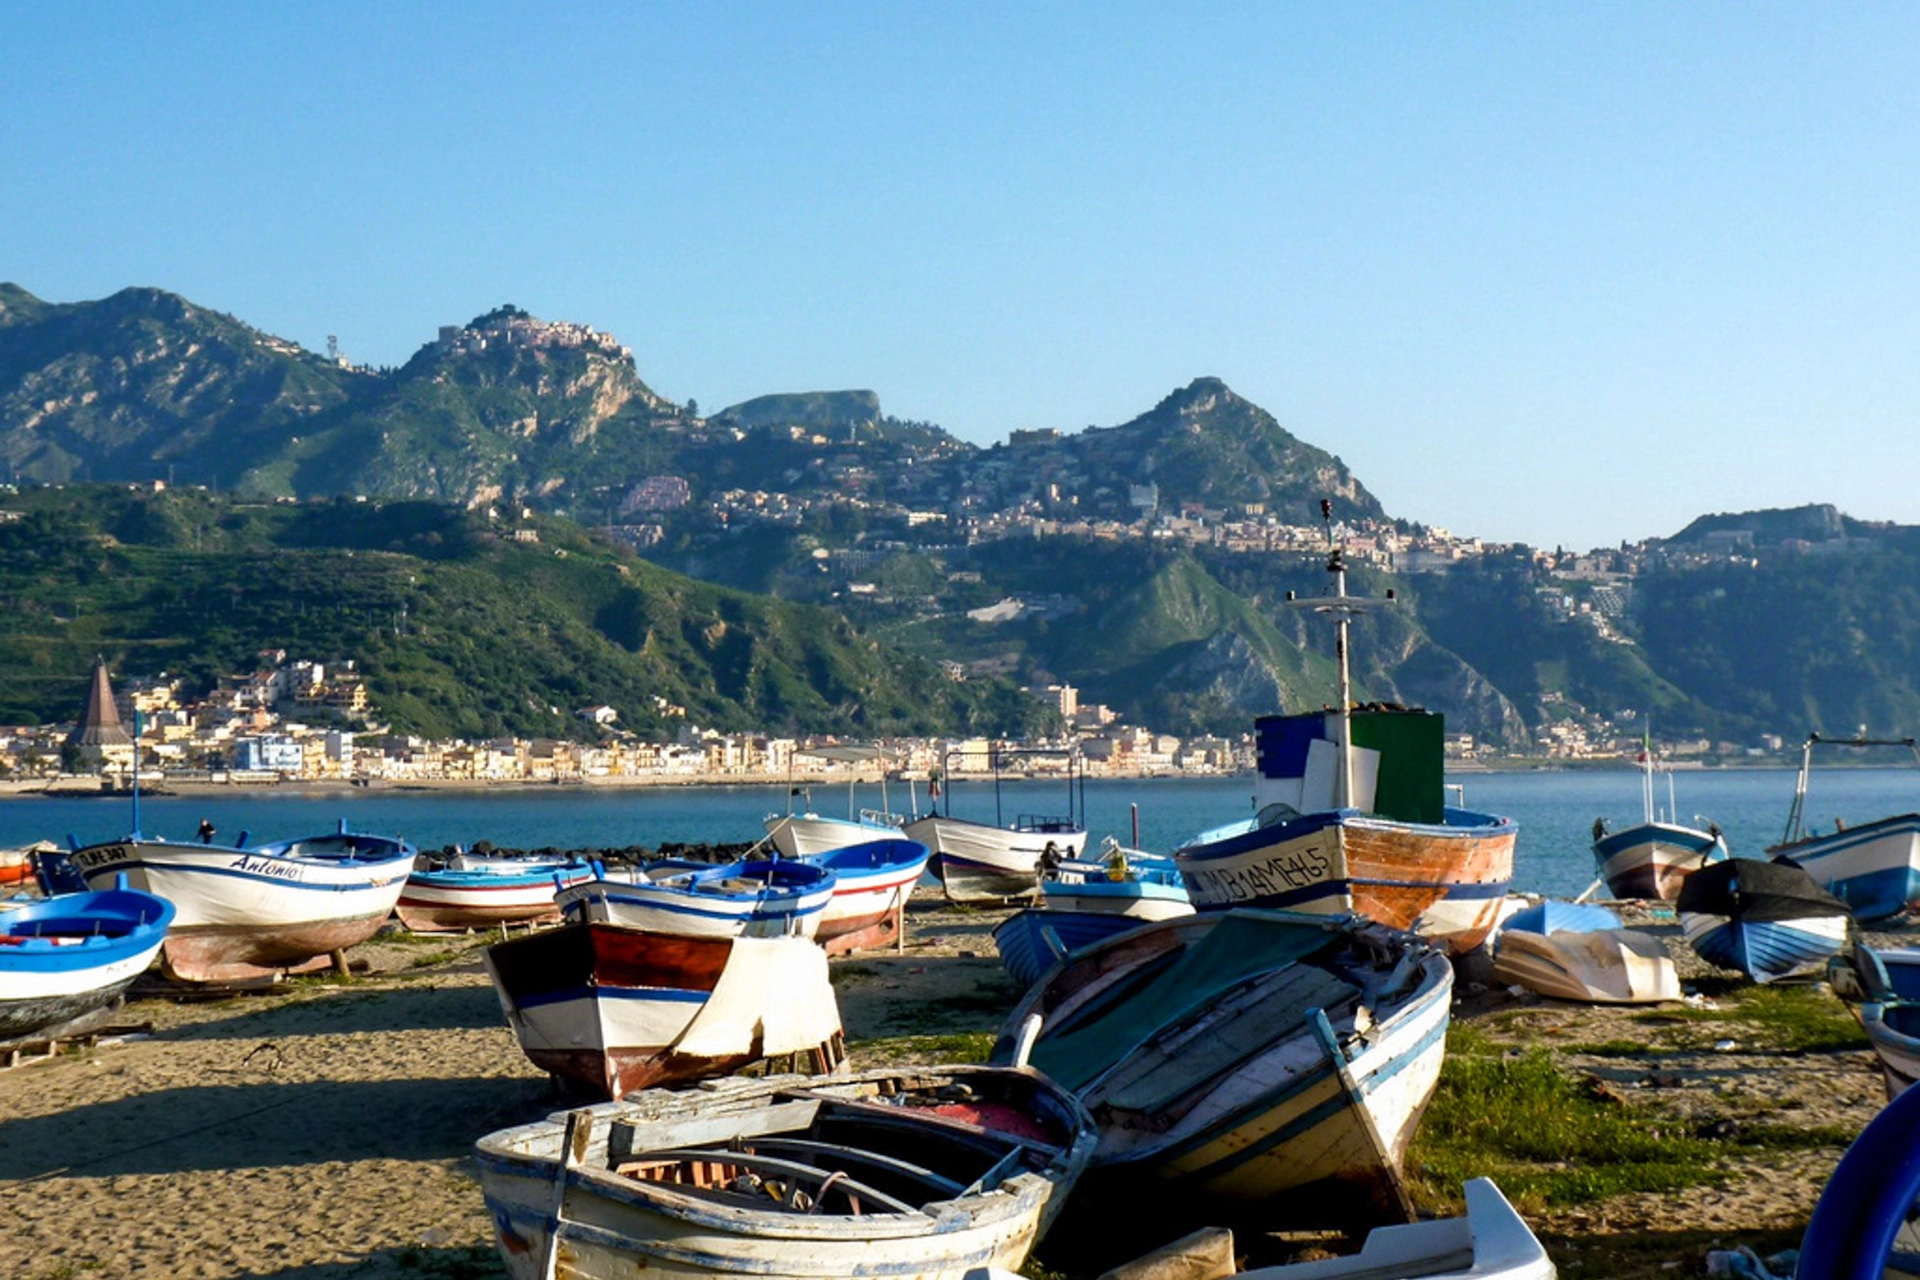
(813, 1154)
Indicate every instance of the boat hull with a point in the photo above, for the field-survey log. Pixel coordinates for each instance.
(1894, 1031)
(454, 901)
(613, 1009)
(1765, 949)
(1654, 859)
(1874, 868)
(604, 1225)
(808, 835)
(979, 862)
(1240, 1101)
(1443, 881)
(249, 913)
(872, 882)
(74, 954)
(698, 902)
(1602, 966)
(1026, 953)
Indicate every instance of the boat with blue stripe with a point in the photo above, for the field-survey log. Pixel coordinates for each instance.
(1874, 867)
(872, 881)
(71, 955)
(247, 911)
(1768, 920)
(751, 898)
(1247, 1061)
(477, 891)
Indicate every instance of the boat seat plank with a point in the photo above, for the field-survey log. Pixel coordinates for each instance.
(627, 1137)
(776, 1167)
(957, 1132)
(943, 1186)
(1157, 1075)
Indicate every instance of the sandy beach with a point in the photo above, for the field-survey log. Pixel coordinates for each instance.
(322, 1131)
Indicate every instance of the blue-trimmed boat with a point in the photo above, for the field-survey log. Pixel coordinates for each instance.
(872, 881)
(479, 891)
(1767, 919)
(752, 898)
(1246, 1060)
(1083, 902)
(1654, 857)
(72, 954)
(247, 911)
(1887, 985)
(1874, 867)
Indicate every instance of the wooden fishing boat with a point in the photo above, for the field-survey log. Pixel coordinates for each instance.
(1246, 1061)
(1767, 919)
(471, 891)
(1874, 867)
(1893, 1028)
(1553, 915)
(1598, 966)
(248, 911)
(612, 1009)
(1862, 1227)
(1653, 858)
(871, 884)
(922, 1174)
(1351, 816)
(752, 898)
(67, 956)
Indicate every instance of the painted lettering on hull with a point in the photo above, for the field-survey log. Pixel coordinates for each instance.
(276, 868)
(1267, 876)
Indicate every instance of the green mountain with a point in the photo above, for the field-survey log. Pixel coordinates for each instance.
(144, 384)
(818, 410)
(462, 625)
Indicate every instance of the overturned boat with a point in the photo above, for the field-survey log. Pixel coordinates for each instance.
(611, 1009)
(920, 1174)
(1767, 919)
(248, 911)
(1597, 966)
(1245, 1059)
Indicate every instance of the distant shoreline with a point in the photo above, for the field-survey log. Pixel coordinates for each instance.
(76, 788)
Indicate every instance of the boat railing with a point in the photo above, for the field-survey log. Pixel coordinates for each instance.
(882, 818)
(1795, 831)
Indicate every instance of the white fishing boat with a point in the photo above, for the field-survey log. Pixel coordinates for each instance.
(751, 898)
(809, 833)
(1001, 861)
(1653, 858)
(1351, 815)
(918, 1174)
(611, 1009)
(246, 911)
(1873, 867)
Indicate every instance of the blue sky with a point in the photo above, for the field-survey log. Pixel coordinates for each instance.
(1567, 274)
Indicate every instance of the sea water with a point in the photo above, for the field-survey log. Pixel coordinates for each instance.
(1555, 811)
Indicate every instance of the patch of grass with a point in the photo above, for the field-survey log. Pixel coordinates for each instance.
(853, 971)
(1650, 1255)
(1780, 1018)
(433, 958)
(1546, 1138)
(954, 1047)
(1786, 1137)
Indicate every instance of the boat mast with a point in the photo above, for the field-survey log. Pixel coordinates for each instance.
(1342, 608)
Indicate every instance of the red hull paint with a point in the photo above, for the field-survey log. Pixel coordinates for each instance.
(1419, 870)
(441, 918)
(862, 933)
(222, 953)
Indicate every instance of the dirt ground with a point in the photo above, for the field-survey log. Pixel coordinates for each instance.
(323, 1131)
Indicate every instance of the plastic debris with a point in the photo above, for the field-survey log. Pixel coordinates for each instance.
(1743, 1263)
